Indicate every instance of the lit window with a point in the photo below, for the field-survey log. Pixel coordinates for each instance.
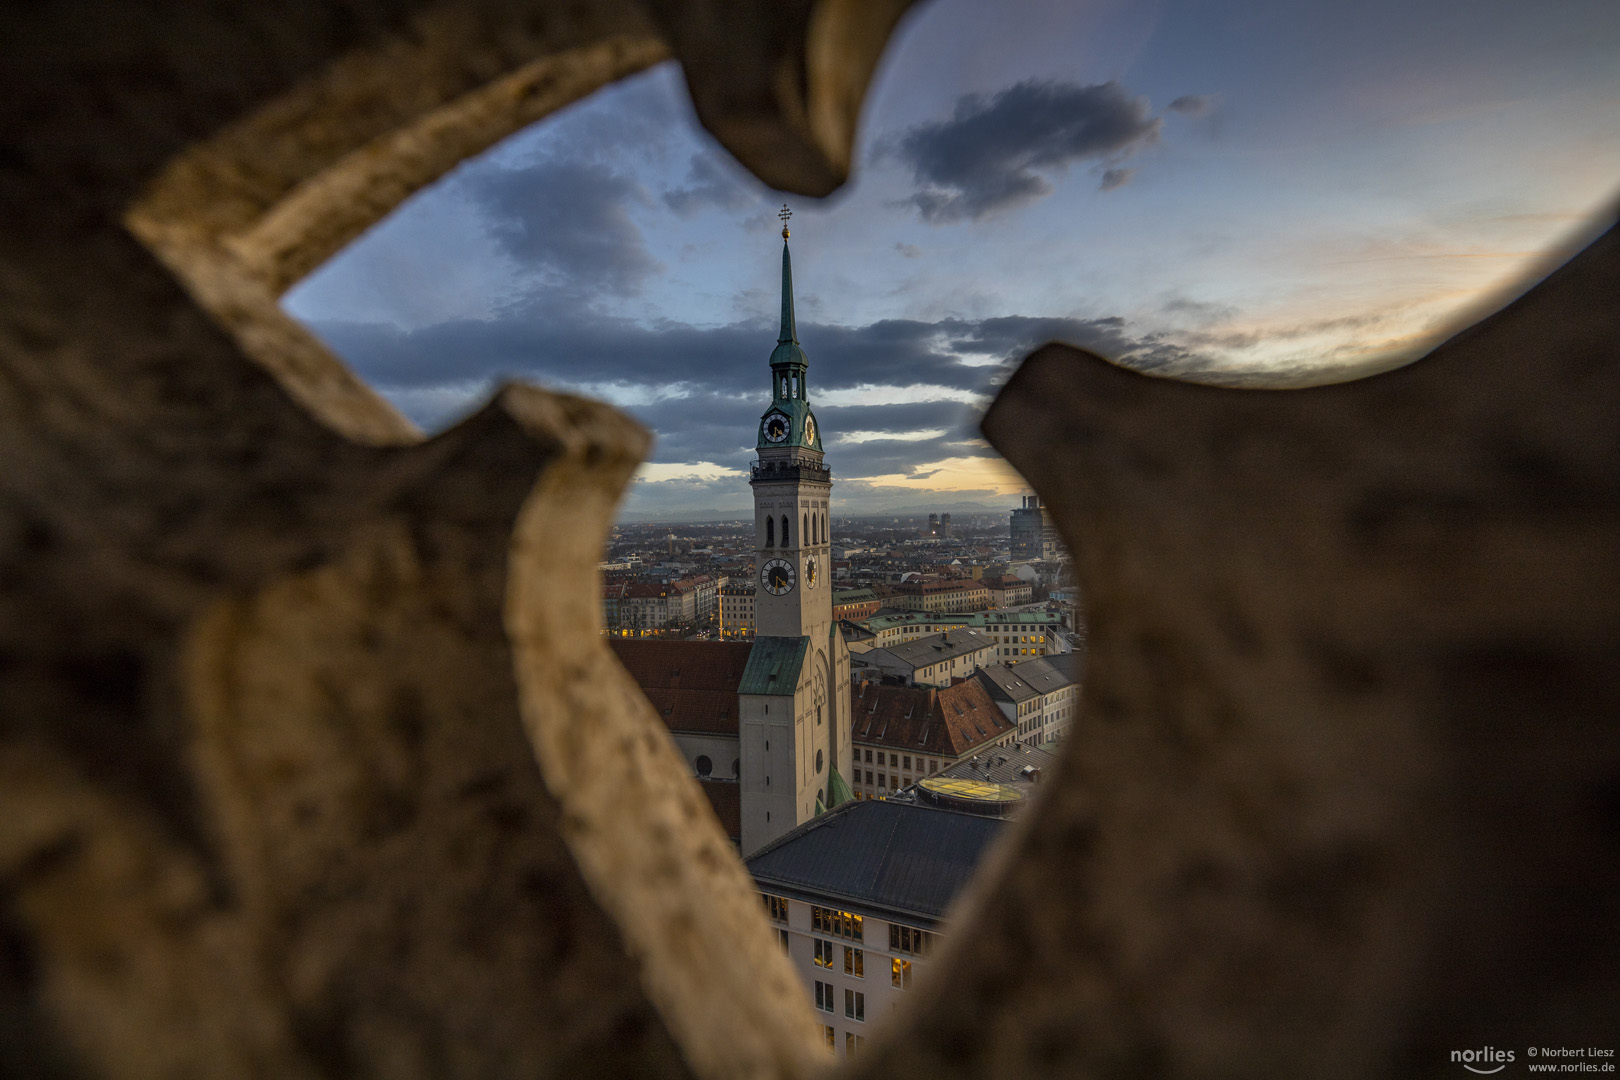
(775, 907)
(832, 1037)
(900, 973)
(855, 962)
(824, 953)
(824, 997)
(905, 939)
(854, 1005)
(836, 923)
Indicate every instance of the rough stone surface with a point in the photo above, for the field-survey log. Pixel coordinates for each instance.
(311, 764)
(270, 664)
(1345, 795)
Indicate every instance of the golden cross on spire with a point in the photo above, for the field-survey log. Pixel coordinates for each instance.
(784, 214)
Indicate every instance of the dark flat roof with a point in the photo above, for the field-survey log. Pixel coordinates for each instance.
(879, 858)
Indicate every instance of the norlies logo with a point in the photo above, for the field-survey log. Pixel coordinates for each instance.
(1475, 1061)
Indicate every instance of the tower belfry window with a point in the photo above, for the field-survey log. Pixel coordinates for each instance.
(785, 531)
(795, 386)
(770, 532)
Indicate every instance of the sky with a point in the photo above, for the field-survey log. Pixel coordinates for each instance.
(1254, 192)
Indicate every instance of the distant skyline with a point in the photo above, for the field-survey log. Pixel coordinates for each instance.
(1252, 191)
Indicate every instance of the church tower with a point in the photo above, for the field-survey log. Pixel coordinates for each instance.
(794, 700)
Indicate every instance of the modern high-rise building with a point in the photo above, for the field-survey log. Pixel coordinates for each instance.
(1034, 533)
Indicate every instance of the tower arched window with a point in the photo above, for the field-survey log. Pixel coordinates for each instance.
(824, 526)
(804, 530)
(785, 542)
(784, 386)
(795, 386)
(770, 531)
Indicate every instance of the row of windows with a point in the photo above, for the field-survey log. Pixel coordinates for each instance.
(853, 1043)
(855, 962)
(902, 939)
(896, 760)
(835, 923)
(854, 1001)
(814, 526)
(703, 766)
(908, 939)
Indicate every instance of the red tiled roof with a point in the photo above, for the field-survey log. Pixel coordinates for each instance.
(727, 802)
(949, 723)
(691, 684)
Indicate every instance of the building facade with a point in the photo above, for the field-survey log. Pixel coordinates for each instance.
(904, 733)
(795, 694)
(768, 736)
(737, 622)
(1034, 533)
(965, 595)
(1014, 634)
(860, 926)
(855, 604)
(933, 660)
(1039, 697)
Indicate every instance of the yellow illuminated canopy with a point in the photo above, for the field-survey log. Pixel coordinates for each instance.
(975, 790)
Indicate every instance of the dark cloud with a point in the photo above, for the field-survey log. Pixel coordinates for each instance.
(709, 183)
(707, 386)
(993, 153)
(1113, 178)
(566, 221)
(1192, 104)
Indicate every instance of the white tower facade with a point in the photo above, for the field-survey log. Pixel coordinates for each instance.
(794, 699)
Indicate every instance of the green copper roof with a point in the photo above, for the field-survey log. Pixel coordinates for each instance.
(790, 331)
(790, 381)
(838, 790)
(773, 666)
(787, 349)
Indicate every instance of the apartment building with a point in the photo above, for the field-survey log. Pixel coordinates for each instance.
(934, 660)
(1036, 695)
(860, 925)
(959, 595)
(737, 611)
(853, 604)
(905, 733)
(1015, 634)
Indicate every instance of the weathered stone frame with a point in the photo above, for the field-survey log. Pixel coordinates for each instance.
(1347, 795)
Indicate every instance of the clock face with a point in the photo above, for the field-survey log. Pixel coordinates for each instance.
(810, 430)
(775, 428)
(810, 573)
(777, 577)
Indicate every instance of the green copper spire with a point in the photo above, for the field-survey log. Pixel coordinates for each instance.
(789, 423)
(790, 330)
